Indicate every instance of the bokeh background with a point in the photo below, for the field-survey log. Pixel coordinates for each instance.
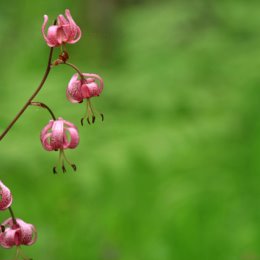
(173, 171)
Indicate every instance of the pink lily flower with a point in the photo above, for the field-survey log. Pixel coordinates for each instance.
(66, 31)
(16, 234)
(6, 197)
(85, 88)
(60, 135)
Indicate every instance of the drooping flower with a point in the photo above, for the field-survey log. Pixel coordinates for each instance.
(60, 135)
(6, 197)
(16, 234)
(66, 31)
(82, 87)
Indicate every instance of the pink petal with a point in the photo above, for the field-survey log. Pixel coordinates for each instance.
(46, 129)
(69, 124)
(46, 142)
(10, 238)
(61, 36)
(85, 91)
(62, 20)
(75, 32)
(6, 197)
(55, 35)
(56, 141)
(73, 90)
(101, 83)
(43, 31)
(28, 233)
(76, 37)
(74, 138)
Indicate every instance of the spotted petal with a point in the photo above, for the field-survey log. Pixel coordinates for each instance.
(6, 197)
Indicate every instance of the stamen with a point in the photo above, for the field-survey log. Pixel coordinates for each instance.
(74, 167)
(82, 121)
(63, 168)
(20, 252)
(102, 116)
(62, 162)
(91, 111)
(54, 170)
(17, 252)
(90, 107)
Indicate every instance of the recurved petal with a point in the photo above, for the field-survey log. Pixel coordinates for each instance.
(46, 129)
(10, 238)
(93, 89)
(43, 31)
(6, 197)
(73, 91)
(56, 140)
(101, 82)
(85, 91)
(76, 37)
(46, 142)
(69, 124)
(54, 36)
(61, 20)
(33, 237)
(75, 32)
(28, 232)
(74, 138)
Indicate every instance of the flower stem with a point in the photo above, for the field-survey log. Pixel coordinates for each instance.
(47, 71)
(12, 215)
(42, 105)
(31, 98)
(75, 68)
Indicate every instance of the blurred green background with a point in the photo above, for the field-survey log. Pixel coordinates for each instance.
(173, 172)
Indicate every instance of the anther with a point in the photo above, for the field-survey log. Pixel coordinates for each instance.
(93, 119)
(82, 121)
(88, 121)
(74, 167)
(102, 116)
(54, 170)
(63, 169)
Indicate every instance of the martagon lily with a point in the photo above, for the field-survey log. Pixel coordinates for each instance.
(16, 234)
(66, 31)
(82, 87)
(60, 135)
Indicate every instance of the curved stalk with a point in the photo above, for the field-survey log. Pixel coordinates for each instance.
(42, 105)
(75, 68)
(31, 98)
(12, 215)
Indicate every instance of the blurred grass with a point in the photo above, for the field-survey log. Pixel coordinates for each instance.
(173, 172)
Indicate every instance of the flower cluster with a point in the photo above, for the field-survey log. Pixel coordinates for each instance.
(14, 231)
(59, 135)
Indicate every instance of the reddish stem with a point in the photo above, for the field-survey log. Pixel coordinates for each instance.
(42, 105)
(75, 68)
(31, 98)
